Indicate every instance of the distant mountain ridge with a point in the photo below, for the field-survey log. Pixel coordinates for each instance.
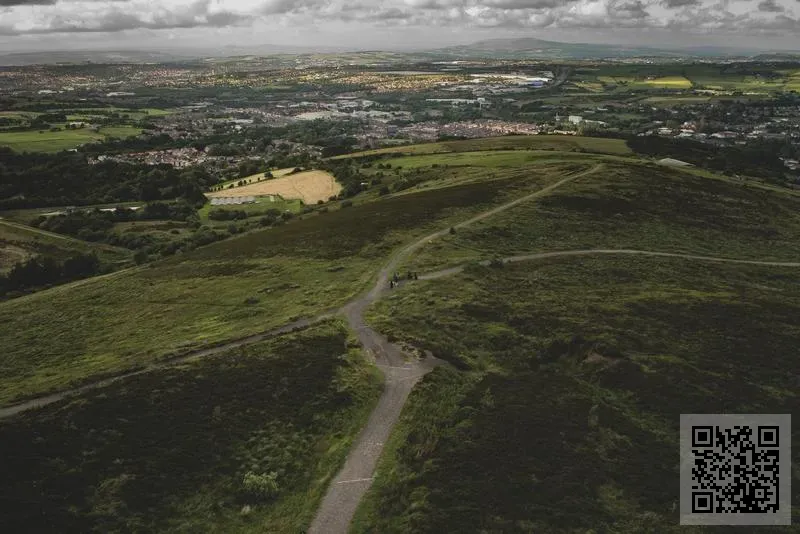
(515, 48)
(529, 47)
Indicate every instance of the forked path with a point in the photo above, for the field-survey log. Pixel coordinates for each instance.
(401, 373)
(352, 311)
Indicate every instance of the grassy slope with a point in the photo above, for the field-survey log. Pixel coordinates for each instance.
(532, 437)
(629, 206)
(167, 451)
(64, 335)
(34, 242)
(514, 142)
(47, 141)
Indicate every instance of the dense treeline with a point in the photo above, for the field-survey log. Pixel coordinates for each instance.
(34, 180)
(761, 160)
(94, 225)
(346, 173)
(45, 270)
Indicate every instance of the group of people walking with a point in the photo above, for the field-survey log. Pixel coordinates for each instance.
(395, 280)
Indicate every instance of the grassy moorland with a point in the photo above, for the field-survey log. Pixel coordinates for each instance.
(19, 243)
(514, 142)
(225, 290)
(631, 206)
(242, 442)
(562, 411)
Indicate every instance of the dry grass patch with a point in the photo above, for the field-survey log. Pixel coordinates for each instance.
(308, 186)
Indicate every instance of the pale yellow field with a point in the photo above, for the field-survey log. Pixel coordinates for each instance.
(670, 81)
(308, 186)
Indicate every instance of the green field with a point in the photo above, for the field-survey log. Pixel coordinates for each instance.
(168, 451)
(244, 285)
(627, 206)
(19, 242)
(47, 141)
(677, 100)
(648, 82)
(563, 415)
(513, 142)
(260, 207)
(731, 77)
(82, 114)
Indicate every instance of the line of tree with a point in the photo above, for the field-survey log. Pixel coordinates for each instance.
(37, 180)
(759, 159)
(97, 225)
(45, 270)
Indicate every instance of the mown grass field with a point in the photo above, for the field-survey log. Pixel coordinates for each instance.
(648, 82)
(562, 412)
(133, 114)
(241, 286)
(631, 206)
(47, 141)
(262, 205)
(18, 243)
(513, 142)
(677, 100)
(168, 451)
(753, 77)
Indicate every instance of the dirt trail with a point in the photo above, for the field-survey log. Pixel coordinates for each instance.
(590, 252)
(38, 402)
(401, 374)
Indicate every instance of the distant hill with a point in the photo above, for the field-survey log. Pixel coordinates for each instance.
(90, 56)
(151, 56)
(530, 47)
(518, 48)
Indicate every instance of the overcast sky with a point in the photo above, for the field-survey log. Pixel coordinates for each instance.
(401, 24)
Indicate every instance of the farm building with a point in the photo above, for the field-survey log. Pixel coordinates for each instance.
(230, 201)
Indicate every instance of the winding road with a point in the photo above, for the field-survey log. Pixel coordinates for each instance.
(401, 372)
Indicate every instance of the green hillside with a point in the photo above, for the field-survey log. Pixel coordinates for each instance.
(636, 293)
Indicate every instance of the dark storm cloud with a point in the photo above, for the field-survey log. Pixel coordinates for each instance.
(72, 16)
(14, 3)
(9, 3)
(682, 3)
(525, 4)
(634, 9)
(770, 6)
(194, 15)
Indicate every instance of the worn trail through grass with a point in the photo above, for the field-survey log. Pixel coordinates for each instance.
(590, 252)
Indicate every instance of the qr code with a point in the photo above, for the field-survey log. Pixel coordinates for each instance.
(734, 469)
